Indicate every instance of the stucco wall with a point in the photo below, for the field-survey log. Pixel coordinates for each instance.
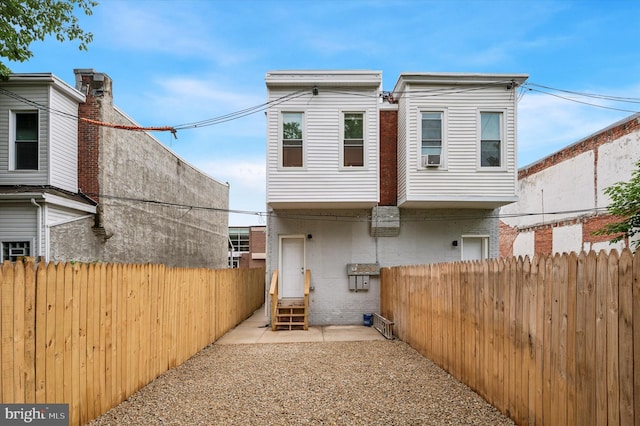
(343, 237)
(154, 207)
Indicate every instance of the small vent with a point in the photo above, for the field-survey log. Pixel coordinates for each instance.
(431, 160)
(385, 221)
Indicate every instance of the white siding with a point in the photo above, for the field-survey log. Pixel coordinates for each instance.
(461, 178)
(322, 179)
(64, 142)
(56, 215)
(18, 223)
(40, 95)
(402, 151)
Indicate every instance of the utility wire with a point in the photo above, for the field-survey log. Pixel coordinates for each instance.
(333, 217)
(417, 94)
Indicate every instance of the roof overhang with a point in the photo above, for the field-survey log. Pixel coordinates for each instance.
(71, 201)
(459, 203)
(23, 79)
(290, 205)
(328, 78)
(458, 79)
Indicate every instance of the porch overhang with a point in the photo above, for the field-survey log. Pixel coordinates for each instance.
(458, 203)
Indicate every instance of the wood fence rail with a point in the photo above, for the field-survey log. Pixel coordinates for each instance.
(554, 340)
(90, 335)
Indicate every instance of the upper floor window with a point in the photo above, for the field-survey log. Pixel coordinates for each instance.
(25, 140)
(353, 139)
(431, 138)
(491, 144)
(292, 139)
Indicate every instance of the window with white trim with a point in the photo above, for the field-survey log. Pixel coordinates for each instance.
(292, 139)
(431, 138)
(491, 144)
(14, 250)
(24, 143)
(353, 139)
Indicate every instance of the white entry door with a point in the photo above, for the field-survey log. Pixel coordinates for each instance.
(292, 267)
(474, 247)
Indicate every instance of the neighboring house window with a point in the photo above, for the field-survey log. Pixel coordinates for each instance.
(292, 139)
(25, 143)
(491, 139)
(238, 244)
(353, 139)
(431, 139)
(13, 250)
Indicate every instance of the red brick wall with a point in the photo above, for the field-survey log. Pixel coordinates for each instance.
(388, 158)
(507, 237)
(89, 144)
(257, 244)
(543, 240)
(595, 223)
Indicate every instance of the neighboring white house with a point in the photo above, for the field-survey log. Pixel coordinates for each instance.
(72, 189)
(359, 179)
(562, 200)
(38, 163)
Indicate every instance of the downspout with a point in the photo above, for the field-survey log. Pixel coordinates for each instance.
(39, 228)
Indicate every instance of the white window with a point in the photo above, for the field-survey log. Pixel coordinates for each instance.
(353, 139)
(491, 139)
(292, 139)
(24, 146)
(431, 138)
(14, 250)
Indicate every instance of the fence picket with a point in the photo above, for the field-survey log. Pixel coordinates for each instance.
(625, 333)
(554, 340)
(612, 341)
(89, 335)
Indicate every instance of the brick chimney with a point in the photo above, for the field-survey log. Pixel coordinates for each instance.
(388, 157)
(97, 89)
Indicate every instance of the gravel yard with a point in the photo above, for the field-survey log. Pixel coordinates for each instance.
(328, 383)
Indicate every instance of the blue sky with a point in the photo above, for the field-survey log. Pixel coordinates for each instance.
(176, 62)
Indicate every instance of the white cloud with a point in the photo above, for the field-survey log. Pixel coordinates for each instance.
(242, 175)
(547, 124)
(161, 29)
(247, 187)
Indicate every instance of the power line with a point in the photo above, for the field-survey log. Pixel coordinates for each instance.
(583, 102)
(342, 217)
(417, 94)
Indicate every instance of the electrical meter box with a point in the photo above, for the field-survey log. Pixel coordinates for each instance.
(359, 274)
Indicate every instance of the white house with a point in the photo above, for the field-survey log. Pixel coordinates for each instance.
(562, 200)
(359, 179)
(38, 163)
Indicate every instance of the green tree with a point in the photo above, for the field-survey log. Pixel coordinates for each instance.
(625, 204)
(25, 21)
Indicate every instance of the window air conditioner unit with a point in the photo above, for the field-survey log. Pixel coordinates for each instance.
(431, 160)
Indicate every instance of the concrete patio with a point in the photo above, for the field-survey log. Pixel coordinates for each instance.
(256, 329)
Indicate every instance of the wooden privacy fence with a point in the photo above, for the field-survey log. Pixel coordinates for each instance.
(554, 340)
(91, 335)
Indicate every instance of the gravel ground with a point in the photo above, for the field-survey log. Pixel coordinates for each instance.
(329, 383)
